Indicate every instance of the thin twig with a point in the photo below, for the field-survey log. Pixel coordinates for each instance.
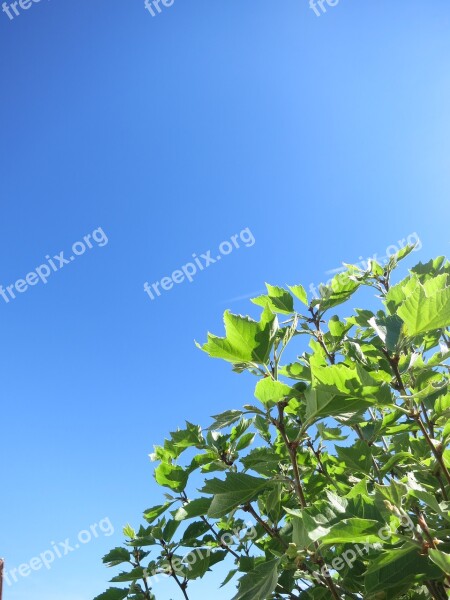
(292, 450)
(416, 415)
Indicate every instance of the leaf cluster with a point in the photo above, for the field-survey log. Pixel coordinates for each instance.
(335, 481)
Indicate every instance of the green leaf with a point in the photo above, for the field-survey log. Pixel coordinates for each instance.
(113, 594)
(239, 429)
(296, 371)
(430, 269)
(260, 583)
(299, 292)
(246, 340)
(441, 559)
(186, 438)
(307, 528)
(400, 255)
(341, 288)
(133, 575)
(237, 489)
(129, 532)
(326, 404)
(195, 508)
(171, 476)
(229, 577)
(116, 557)
(199, 561)
(193, 532)
(425, 310)
(343, 380)
(357, 458)
(395, 492)
(330, 433)
(353, 531)
(393, 567)
(337, 328)
(151, 514)
(431, 501)
(245, 441)
(170, 529)
(262, 460)
(318, 593)
(388, 329)
(277, 299)
(225, 419)
(338, 504)
(269, 392)
(442, 405)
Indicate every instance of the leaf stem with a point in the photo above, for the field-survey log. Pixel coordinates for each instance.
(181, 584)
(374, 462)
(222, 544)
(315, 318)
(416, 416)
(292, 450)
(137, 558)
(272, 532)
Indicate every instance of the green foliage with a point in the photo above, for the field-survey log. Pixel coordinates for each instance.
(337, 484)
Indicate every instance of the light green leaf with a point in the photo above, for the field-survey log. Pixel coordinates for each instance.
(343, 380)
(300, 293)
(330, 433)
(129, 532)
(337, 328)
(326, 404)
(171, 476)
(246, 340)
(278, 299)
(296, 371)
(269, 391)
(338, 504)
(425, 310)
(307, 528)
(441, 559)
(353, 531)
(341, 288)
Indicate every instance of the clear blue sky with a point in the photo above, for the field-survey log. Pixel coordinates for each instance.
(328, 137)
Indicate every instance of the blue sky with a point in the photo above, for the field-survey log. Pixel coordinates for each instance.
(327, 137)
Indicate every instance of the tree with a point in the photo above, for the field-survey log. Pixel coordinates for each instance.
(337, 484)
